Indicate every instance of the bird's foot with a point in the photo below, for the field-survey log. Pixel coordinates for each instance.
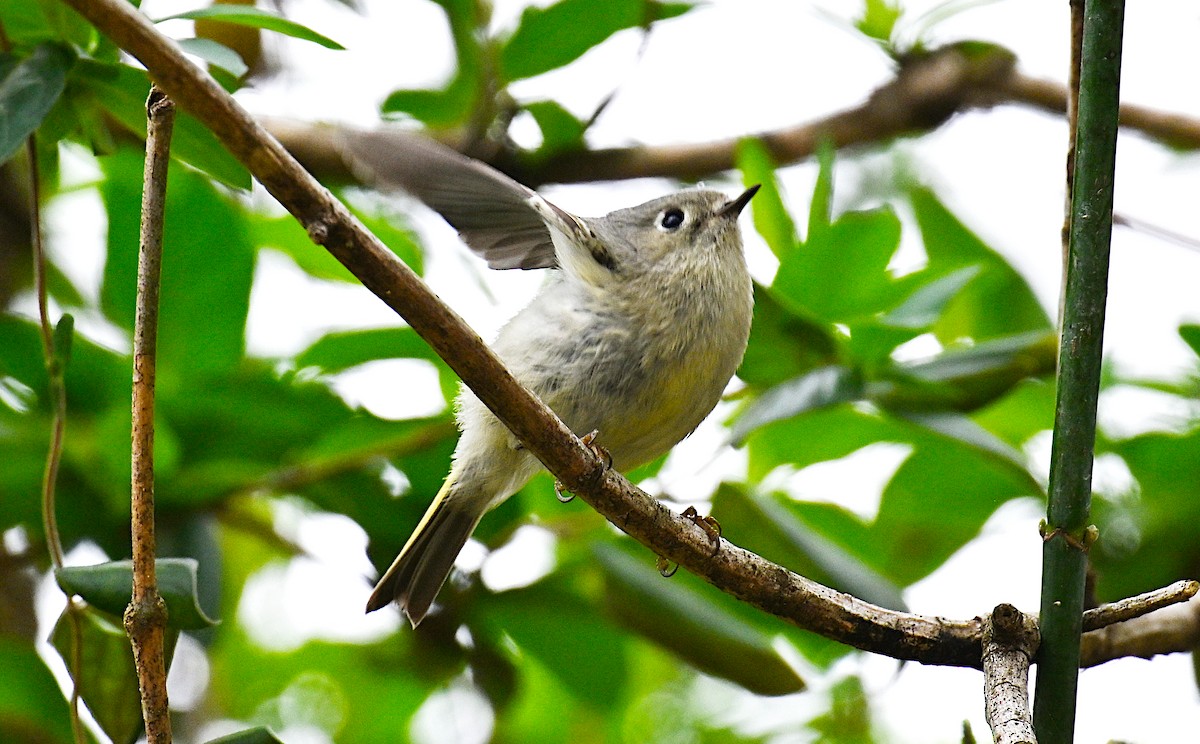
(589, 440)
(665, 569)
(709, 524)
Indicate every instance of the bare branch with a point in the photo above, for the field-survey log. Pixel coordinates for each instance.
(926, 92)
(146, 616)
(1010, 641)
(1142, 604)
(1173, 629)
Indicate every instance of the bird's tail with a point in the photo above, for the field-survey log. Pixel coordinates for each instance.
(423, 565)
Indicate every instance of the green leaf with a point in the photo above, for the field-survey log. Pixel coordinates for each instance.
(551, 37)
(347, 682)
(972, 313)
(923, 307)
(1190, 334)
(693, 626)
(30, 22)
(257, 735)
(766, 526)
(107, 678)
(390, 229)
(341, 350)
(969, 378)
(953, 481)
(248, 15)
(783, 344)
(771, 218)
(32, 707)
(840, 273)
(821, 387)
(454, 103)
(285, 234)
(878, 19)
(122, 90)
(565, 641)
(216, 54)
(561, 131)
(109, 587)
(207, 272)
(28, 90)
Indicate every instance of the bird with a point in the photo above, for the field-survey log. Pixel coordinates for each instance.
(636, 331)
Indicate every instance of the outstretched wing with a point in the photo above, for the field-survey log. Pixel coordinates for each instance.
(491, 212)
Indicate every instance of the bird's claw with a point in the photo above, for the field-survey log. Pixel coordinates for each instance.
(665, 569)
(589, 440)
(561, 493)
(709, 524)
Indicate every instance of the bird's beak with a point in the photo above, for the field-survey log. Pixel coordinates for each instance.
(734, 207)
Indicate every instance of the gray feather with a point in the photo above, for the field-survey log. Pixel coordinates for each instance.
(490, 210)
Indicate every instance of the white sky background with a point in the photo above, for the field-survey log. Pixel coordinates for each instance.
(736, 67)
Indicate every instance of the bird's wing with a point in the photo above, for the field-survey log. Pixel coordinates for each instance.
(491, 212)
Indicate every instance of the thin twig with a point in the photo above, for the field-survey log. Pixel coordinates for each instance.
(56, 360)
(1174, 629)
(1010, 640)
(1142, 604)
(146, 616)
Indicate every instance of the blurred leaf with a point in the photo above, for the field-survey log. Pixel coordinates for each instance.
(817, 436)
(205, 287)
(401, 241)
(848, 720)
(96, 378)
(765, 526)
(878, 19)
(840, 273)
(32, 707)
(551, 37)
(109, 587)
(771, 218)
(972, 313)
(455, 102)
(968, 378)
(107, 679)
(341, 350)
(582, 648)
(946, 475)
(246, 15)
(216, 54)
(561, 131)
(122, 90)
(29, 87)
(286, 235)
(783, 345)
(699, 631)
(350, 682)
(1166, 467)
(937, 501)
(258, 735)
(1027, 409)
(821, 387)
(1190, 334)
(925, 305)
(957, 426)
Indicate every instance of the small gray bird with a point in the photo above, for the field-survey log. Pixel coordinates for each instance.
(641, 322)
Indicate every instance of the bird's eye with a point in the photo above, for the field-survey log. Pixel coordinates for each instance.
(671, 219)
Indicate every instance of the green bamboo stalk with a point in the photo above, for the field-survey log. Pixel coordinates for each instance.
(1064, 555)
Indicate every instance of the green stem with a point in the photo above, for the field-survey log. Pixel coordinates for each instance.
(1065, 550)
